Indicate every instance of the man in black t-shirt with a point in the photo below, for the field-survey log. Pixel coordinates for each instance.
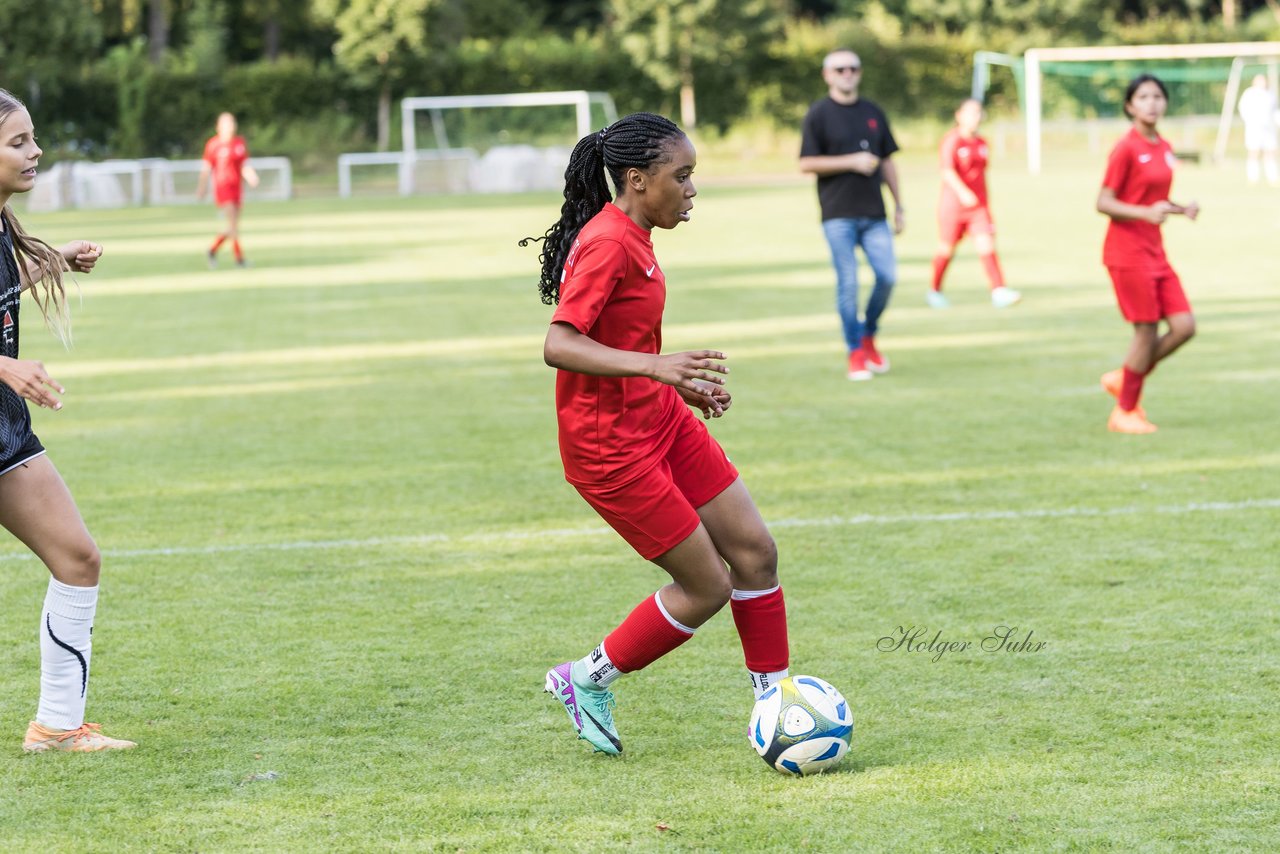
(847, 144)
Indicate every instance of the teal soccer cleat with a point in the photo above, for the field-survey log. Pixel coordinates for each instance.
(590, 708)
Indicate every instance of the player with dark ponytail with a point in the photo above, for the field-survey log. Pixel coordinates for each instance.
(630, 445)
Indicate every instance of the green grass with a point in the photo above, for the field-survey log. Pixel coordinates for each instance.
(340, 553)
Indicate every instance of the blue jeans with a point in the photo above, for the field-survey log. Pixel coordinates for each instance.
(876, 240)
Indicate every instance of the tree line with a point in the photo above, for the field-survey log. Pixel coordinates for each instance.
(145, 77)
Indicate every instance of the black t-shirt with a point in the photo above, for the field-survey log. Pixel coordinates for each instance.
(15, 418)
(832, 128)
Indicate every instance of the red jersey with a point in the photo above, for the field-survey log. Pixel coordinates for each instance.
(226, 157)
(613, 429)
(968, 157)
(1139, 172)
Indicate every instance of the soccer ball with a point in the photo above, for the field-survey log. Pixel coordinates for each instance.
(801, 726)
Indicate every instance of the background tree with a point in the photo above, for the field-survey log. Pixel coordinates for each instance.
(378, 42)
(667, 39)
(41, 48)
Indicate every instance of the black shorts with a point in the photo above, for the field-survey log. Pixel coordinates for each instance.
(31, 448)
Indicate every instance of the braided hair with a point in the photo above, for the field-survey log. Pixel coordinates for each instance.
(638, 140)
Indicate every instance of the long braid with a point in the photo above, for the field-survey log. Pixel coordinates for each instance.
(639, 140)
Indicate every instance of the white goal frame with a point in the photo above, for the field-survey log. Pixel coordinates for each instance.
(581, 100)
(162, 192)
(1233, 94)
(1033, 79)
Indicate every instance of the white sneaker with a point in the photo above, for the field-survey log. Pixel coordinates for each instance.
(937, 299)
(1003, 297)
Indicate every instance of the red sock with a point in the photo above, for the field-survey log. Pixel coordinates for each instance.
(235, 247)
(991, 264)
(644, 636)
(762, 626)
(1131, 390)
(217, 243)
(940, 263)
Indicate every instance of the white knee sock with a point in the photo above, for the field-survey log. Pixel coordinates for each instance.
(66, 640)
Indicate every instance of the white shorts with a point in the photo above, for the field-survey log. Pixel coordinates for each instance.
(1260, 139)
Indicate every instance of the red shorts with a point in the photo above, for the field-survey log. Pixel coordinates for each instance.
(1147, 295)
(953, 222)
(657, 511)
(226, 195)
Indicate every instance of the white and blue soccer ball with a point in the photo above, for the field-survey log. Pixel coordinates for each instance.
(801, 726)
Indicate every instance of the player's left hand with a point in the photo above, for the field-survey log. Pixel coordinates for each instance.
(81, 255)
(1191, 210)
(713, 403)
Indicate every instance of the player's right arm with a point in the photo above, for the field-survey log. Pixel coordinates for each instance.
(203, 183)
(569, 350)
(28, 378)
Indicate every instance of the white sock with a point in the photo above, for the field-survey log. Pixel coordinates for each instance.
(599, 669)
(741, 595)
(66, 641)
(762, 682)
(657, 597)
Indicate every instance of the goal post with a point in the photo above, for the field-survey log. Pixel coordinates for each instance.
(1035, 59)
(507, 145)
(1232, 96)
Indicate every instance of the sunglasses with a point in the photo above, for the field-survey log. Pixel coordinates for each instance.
(846, 69)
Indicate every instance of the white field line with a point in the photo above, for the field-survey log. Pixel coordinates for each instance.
(570, 533)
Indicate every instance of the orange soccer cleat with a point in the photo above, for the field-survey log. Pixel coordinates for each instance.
(1134, 421)
(85, 739)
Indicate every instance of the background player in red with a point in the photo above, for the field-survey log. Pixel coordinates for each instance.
(226, 159)
(963, 206)
(35, 505)
(629, 443)
(1135, 195)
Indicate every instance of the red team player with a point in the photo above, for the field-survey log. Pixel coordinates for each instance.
(1135, 195)
(629, 441)
(963, 206)
(226, 158)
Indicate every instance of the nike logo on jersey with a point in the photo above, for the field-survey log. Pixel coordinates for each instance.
(1144, 158)
(649, 272)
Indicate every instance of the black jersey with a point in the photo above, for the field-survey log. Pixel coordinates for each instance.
(831, 128)
(15, 417)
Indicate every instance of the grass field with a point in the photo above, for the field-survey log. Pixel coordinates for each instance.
(340, 555)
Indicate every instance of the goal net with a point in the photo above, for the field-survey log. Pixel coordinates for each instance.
(495, 143)
(154, 181)
(1072, 99)
(175, 182)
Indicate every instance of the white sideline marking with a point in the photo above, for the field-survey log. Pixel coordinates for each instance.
(566, 533)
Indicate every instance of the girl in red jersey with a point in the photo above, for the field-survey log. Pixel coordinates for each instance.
(628, 439)
(963, 206)
(1135, 195)
(226, 160)
(35, 505)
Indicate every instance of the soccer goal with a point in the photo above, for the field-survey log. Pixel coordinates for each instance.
(1073, 94)
(153, 180)
(496, 143)
(174, 182)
